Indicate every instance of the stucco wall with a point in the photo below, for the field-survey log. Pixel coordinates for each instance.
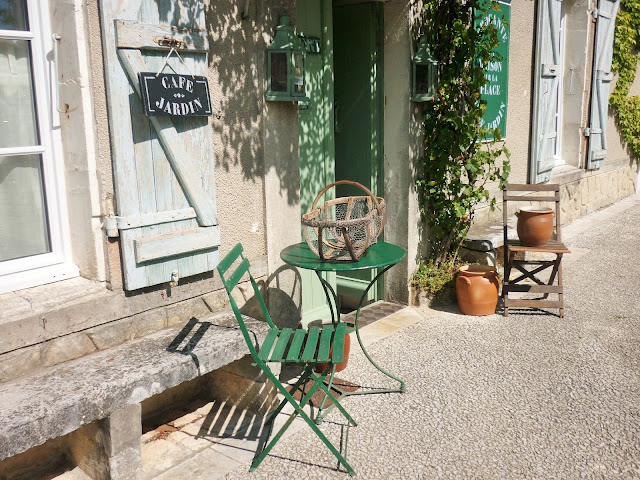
(402, 149)
(521, 51)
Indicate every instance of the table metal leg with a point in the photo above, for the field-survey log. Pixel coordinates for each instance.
(322, 412)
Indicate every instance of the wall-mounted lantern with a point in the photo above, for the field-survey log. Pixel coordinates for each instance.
(424, 73)
(285, 65)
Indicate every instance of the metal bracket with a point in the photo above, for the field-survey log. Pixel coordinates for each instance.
(113, 223)
(111, 226)
(592, 131)
(169, 42)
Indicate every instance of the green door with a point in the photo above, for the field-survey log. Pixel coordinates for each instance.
(314, 19)
(344, 142)
(357, 57)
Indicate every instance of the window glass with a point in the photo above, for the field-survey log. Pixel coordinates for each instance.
(422, 79)
(23, 217)
(13, 15)
(18, 126)
(278, 72)
(298, 78)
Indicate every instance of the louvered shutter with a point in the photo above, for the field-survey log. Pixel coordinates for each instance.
(163, 166)
(546, 91)
(601, 82)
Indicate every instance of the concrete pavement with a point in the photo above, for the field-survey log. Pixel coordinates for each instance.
(528, 396)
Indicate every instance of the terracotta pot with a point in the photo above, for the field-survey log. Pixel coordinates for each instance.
(535, 225)
(477, 289)
(319, 368)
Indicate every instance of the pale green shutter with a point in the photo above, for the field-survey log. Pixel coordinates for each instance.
(163, 166)
(546, 91)
(601, 82)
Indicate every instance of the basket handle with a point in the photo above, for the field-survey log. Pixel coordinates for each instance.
(348, 182)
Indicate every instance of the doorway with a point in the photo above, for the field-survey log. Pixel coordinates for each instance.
(358, 112)
(340, 127)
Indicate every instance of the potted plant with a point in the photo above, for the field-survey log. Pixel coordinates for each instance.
(461, 155)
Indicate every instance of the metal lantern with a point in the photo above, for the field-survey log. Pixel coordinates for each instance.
(424, 73)
(285, 65)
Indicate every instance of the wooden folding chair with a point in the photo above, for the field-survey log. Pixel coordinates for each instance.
(512, 248)
(305, 347)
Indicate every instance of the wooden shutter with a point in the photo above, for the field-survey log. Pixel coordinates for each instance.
(601, 82)
(163, 166)
(546, 91)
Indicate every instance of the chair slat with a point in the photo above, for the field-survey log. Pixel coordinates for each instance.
(231, 257)
(283, 340)
(543, 187)
(532, 198)
(309, 352)
(296, 345)
(338, 343)
(325, 343)
(263, 354)
(233, 280)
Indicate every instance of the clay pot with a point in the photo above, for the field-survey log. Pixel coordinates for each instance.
(535, 225)
(319, 368)
(477, 289)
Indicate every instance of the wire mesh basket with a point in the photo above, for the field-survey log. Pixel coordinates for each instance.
(343, 228)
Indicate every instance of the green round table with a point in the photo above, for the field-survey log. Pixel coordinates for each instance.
(380, 255)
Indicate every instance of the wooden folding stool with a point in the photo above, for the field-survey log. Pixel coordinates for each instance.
(512, 249)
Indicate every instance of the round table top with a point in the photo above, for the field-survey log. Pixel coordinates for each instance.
(380, 254)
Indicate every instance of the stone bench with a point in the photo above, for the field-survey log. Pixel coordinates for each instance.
(102, 392)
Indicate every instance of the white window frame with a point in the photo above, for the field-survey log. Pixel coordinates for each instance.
(559, 161)
(57, 264)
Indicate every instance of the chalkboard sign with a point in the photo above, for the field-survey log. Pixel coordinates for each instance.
(497, 72)
(175, 94)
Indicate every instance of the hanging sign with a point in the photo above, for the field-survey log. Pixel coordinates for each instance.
(175, 94)
(497, 71)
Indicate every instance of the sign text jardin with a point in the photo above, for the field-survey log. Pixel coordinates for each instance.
(497, 72)
(174, 94)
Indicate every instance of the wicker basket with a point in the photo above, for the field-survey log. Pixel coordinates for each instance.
(343, 228)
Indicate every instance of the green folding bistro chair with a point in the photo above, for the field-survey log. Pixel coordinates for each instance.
(306, 347)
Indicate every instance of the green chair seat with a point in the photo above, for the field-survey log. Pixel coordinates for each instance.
(312, 346)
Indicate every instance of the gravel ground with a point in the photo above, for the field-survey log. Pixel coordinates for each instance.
(528, 396)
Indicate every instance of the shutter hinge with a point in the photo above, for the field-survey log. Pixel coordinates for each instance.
(111, 225)
(595, 13)
(587, 132)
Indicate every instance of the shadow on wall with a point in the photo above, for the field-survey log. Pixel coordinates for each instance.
(282, 293)
(236, 73)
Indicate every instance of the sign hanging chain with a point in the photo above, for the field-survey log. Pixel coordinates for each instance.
(164, 64)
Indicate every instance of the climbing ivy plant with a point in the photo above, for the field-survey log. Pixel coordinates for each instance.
(625, 63)
(458, 164)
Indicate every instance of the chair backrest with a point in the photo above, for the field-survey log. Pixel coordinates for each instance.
(542, 193)
(229, 281)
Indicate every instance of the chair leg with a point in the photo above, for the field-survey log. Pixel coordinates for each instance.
(505, 281)
(554, 272)
(327, 390)
(299, 407)
(561, 294)
(303, 378)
